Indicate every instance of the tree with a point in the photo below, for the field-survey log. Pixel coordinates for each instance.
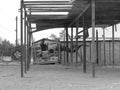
(53, 36)
(62, 35)
(5, 48)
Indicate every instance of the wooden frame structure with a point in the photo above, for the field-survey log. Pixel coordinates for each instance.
(79, 13)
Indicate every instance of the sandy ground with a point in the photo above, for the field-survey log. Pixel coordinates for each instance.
(58, 77)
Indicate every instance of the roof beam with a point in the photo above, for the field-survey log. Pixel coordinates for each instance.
(47, 4)
(50, 10)
(88, 5)
(108, 1)
(28, 2)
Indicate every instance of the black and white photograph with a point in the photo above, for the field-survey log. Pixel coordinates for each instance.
(59, 44)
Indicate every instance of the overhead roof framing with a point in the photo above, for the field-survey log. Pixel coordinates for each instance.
(62, 13)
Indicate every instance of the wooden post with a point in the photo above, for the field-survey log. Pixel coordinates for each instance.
(60, 52)
(77, 26)
(100, 52)
(67, 58)
(16, 30)
(64, 48)
(109, 51)
(30, 41)
(71, 44)
(113, 45)
(21, 19)
(119, 51)
(90, 50)
(25, 42)
(84, 46)
(27, 46)
(97, 59)
(104, 46)
(93, 36)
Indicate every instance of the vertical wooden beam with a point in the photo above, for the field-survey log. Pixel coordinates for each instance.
(21, 19)
(84, 46)
(113, 45)
(71, 44)
(58, 45)
(27, 46)
(109, 51)
(97, 59)
(30, 41)
(93, 36)
(119, 51)
(90, 50)
(64, 48)
(67, 54)
(77, 26)
(100, 51)
(60, 52)
(16, 30)
(104, 46)
(25, 42)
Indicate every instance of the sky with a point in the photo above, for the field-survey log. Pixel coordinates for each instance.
(8, 13)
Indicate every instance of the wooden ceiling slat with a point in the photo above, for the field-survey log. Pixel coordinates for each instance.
(107, 13)
(48, 4)
(28, 2)
(50, 10)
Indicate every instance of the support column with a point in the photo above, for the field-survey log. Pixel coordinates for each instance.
(104, 46)
(109, 51)
(25, 43)
(71, 44)
(90, 50)
(93, 36)
(113, 45)
(21, 19)
(30, 41)
(64, 48)
(97, 59)
(16, 30)
(84, 46)
(77, 25)
(27, 46)
(67, 54)
(29, 51)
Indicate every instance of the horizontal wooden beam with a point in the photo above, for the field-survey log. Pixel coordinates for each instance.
(77, 18)
(51, 10)
(46, 4)
(49, 6)
(47, 17)
(108, 1)
(50, 2)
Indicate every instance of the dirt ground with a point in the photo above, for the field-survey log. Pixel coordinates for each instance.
(59, 77)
